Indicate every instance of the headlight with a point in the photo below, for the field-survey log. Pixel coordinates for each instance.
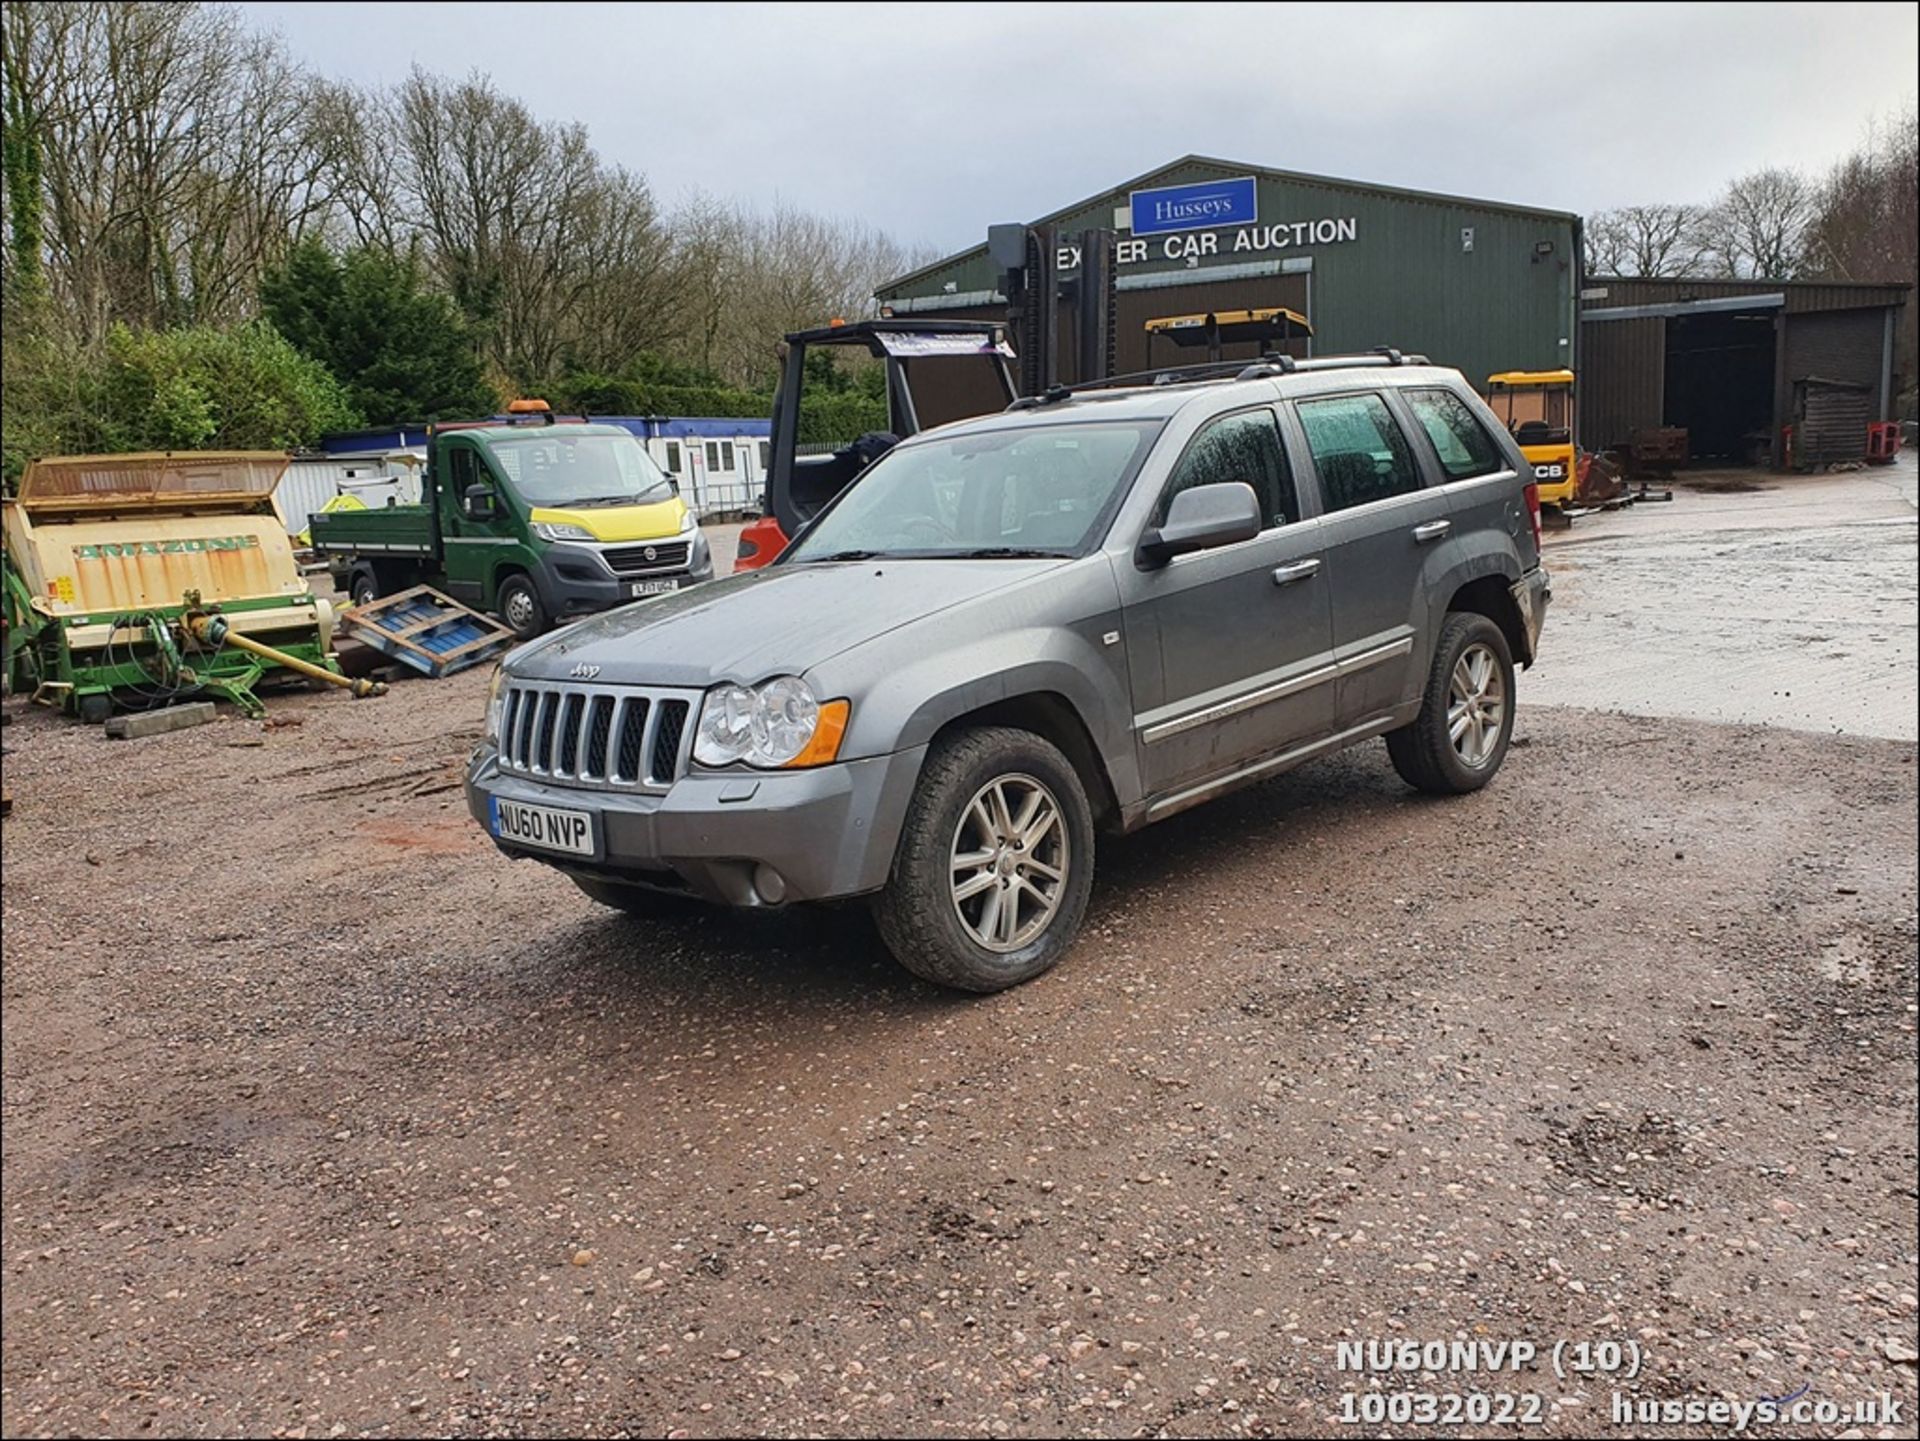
(496, 704)
(687, 523)
(560, 530)
(776, 723)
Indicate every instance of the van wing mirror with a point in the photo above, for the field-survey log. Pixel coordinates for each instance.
(1202, 518)
(478, 502)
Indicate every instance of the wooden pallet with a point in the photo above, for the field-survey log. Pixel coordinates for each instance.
(431, 632)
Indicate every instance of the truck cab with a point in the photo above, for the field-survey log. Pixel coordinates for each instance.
(533, 518)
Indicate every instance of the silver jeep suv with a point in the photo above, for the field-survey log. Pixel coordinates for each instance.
(1086, 613)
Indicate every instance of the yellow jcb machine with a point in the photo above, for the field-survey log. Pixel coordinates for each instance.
(1537, 407)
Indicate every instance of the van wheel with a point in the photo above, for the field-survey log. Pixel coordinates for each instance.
(995, 863)
(1457, 742)
(520, 607)
(635, 900)
(363, 589)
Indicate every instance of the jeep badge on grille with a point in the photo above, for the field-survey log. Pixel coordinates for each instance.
(583, 671)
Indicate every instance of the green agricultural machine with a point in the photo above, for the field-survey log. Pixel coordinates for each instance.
(137, 580)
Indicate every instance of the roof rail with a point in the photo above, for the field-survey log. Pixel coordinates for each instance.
(1380, 355)
(1265, 368)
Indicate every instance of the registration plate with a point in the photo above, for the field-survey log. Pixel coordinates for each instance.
(652, 587)
(546, 828)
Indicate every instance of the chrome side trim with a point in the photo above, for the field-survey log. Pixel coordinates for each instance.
(1279, 690)
(1193, 795)
(1293, 685)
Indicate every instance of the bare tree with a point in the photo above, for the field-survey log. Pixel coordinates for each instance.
(1644, 240)
(748, 276)
(1758, 227)
(160, 157)
(553, 254)
(1868, 219)
(173, 152)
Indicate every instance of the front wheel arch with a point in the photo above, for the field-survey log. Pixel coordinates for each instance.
(1053, 718)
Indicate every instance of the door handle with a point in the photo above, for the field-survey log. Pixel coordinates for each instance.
(1299, 570)
(1432, 530)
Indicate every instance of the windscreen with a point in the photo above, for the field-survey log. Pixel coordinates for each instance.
(1043, 490)
(554, 467)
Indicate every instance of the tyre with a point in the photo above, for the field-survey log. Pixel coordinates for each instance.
(363, 589)
(520, 607)
(995, 864)
(94, 709)
(1457, 742)
(634, 900)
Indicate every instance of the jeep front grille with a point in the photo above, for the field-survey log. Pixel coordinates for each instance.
(603, 737)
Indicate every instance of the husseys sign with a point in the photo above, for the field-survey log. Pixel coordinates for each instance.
(1194, 207)
(1192, 223)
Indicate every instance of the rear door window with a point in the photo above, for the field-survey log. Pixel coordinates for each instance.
(1358, 449)
(1238, 447)
(1462, 443)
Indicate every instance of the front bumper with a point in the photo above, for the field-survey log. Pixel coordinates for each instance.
(826, 833)
(576, 579)
(1532, 593)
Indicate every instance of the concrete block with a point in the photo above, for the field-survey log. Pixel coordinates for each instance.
(159, 722)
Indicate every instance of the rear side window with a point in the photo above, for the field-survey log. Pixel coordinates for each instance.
(1462, 443)
(1239, 447)
(1358, 449)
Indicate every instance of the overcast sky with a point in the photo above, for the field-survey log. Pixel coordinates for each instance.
(931, 121)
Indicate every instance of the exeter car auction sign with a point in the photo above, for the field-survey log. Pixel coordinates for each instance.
(1208, 245)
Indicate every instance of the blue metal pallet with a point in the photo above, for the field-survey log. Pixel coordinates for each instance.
(421, 628)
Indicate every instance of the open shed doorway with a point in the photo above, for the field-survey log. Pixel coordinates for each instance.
(1720, 383)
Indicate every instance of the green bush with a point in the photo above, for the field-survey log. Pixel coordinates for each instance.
(194, 388)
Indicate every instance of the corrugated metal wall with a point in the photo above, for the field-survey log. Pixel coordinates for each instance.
(1838, 345)
(1621, 380)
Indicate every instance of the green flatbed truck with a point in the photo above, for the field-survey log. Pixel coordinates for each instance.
(533, 518)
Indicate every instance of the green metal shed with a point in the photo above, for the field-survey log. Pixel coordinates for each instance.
(1482, 285)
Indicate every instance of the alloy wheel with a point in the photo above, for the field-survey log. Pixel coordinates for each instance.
(1009, 862)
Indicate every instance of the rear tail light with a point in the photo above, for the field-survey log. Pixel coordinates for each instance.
(1533, 510)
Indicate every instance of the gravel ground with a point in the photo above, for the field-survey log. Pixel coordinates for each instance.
(321, 1118)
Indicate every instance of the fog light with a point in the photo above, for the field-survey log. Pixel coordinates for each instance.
(770, 884)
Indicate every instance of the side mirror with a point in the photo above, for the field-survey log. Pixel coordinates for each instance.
(478, 503)
(1202, 518)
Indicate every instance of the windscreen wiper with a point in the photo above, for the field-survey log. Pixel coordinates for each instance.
(839, 555)
(1007, 552)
